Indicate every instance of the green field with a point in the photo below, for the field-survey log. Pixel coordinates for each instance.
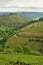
(5, 59)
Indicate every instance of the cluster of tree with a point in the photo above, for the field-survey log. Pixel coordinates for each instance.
(18, 49)
(36, 39)
(22, 49)
(25, 50)
(6, 34)
(41, 19)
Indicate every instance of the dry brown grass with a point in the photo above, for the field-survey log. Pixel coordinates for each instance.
(31, 34)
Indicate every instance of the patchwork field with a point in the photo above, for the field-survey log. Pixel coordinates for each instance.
(34, 45)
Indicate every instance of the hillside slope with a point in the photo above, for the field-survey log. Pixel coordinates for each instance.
(35, 29)
(11, 19)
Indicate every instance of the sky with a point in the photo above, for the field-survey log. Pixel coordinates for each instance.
(21, 5)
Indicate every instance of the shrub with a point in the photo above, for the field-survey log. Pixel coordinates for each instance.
(31, 39)
(26, 50)
(18, 49)
(22, 49)
(41, 19)
(1, 50)
(7, 51)
(7, 47)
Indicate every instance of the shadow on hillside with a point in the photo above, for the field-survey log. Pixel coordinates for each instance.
(18, 63)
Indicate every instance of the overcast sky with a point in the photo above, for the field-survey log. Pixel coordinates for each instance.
(21, 5)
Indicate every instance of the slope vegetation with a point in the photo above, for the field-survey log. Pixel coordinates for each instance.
(33, 30)
(31, 35)
(11, 19)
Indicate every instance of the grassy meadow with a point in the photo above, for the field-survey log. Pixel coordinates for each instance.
(5, 59)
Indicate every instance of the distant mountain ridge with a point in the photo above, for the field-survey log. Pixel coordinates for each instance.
(26, 14)
(31, 14)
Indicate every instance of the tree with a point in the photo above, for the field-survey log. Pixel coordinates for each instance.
(26, 50)
(41, 19)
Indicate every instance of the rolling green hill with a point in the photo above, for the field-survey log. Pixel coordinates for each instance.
(12, 19)
(23, 36)
(34, 30)
(34, 27)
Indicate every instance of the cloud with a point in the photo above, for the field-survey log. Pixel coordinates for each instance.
(21, 5)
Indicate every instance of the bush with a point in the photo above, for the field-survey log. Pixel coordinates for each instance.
(7, 51)
(18, 49)
(22, 49)
(31, 39)
(26, 50)
(1, 50)
(41, 19)
(7, 47)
